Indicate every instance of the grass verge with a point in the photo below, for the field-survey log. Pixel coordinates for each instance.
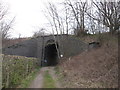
(57, 71)
(48, 81)
(26, 82)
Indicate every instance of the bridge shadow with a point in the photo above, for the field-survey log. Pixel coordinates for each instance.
(50, 55)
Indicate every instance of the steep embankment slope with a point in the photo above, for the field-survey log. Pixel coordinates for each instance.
(94, 68)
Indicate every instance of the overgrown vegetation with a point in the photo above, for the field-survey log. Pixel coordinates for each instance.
(57, 70)
(26, 82)
(48, 81)
(102, 38)
(16, 68)
(95, 68)
(58, 73)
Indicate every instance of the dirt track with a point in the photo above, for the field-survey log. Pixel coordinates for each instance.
(38, 81)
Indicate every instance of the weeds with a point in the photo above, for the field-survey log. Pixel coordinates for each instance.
(48, 81)
(26, 82)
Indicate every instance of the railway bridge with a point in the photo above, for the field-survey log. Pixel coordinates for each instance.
(48, 49)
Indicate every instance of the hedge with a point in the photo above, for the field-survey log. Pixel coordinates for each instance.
(17, 68)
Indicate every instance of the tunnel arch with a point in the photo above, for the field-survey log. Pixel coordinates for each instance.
(51, 53)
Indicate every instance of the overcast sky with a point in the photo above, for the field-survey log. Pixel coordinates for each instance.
(29, 14)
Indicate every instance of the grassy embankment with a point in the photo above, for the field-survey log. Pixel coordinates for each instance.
(95, 68)
(17, 68)
(26, 82)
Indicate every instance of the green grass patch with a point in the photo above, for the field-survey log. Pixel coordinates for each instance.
(57, 71)
(17, 68)
(26, 82)
(48, 81)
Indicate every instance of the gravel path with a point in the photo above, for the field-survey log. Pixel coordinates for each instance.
(38, 81)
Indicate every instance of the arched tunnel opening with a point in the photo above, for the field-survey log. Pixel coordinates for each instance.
(50, 55)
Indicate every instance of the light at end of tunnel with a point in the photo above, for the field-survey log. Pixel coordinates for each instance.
(61, 55)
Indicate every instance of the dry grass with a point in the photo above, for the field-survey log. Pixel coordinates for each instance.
(94, 68)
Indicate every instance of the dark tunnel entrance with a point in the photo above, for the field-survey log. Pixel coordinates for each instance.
(50, 55)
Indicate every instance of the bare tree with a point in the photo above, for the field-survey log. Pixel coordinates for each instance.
(74, 11)
(56, 22)
(5, 28)
(78, 8)
(3, 11)
(109, 14)
(51, 16)
(5, 24)
(67, 18)
(39, 32)
(56, 19)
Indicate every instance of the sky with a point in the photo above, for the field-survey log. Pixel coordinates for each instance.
(28, 15)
